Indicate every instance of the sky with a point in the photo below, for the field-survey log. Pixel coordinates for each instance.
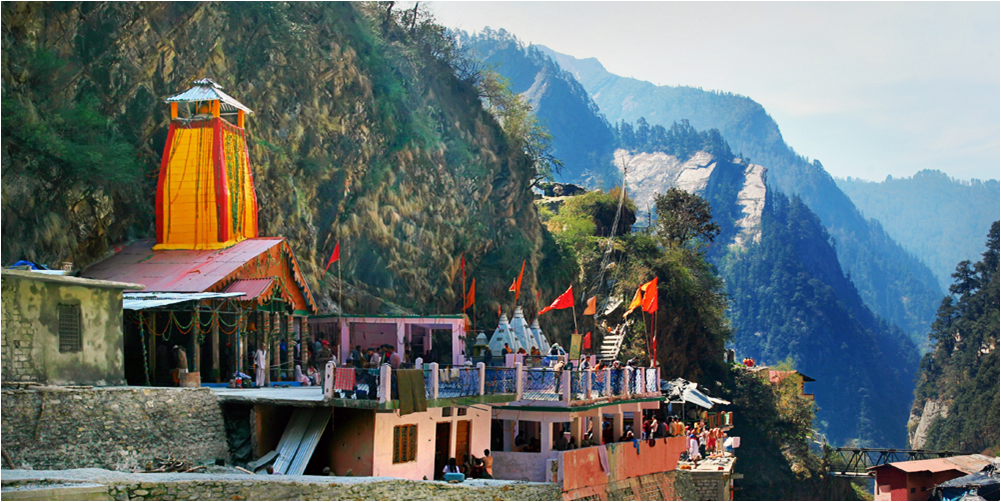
(868, 88)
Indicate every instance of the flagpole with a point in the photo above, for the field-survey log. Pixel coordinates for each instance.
(575, 317)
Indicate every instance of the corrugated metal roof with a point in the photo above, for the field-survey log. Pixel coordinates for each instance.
(69, 280)
(963, 463)
(251, 288)
(178, 270)
(144, 300)
(208, 90)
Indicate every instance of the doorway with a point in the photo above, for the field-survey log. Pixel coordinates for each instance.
(462, 429)
(442, 447)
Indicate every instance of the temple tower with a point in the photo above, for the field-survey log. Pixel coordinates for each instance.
(205, 194)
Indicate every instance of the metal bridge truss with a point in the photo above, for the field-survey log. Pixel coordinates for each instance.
(854, 462)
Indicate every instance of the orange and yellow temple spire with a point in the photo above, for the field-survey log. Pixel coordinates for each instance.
(205, 195)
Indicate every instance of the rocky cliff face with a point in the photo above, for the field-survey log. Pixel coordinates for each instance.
(362, 134)
(654, 173)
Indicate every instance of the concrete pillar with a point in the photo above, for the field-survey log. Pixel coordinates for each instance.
(508, 435)
(482, 368)
(546, 437)
(385, 382)
(625, 384)
(577, 430)
(587, 382)
(345, 339)
(434, 380)
(565, 386)
(519, 382)
(608, 382)
(328, 380)
(618, 424)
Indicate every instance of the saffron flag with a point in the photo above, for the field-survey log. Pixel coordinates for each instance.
(650, 297)
(587, 341)
(471, 296)
(516, 285)
(592, 307)
(336, 255)
(564, 301)
(637, 301)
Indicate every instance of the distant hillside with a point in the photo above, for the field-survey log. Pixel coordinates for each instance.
(939, 219)
(582, 138)
(894, 283)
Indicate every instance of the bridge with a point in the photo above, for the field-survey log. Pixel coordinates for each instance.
(853, 462)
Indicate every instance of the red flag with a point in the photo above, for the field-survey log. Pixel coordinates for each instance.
(592, 306)
(650, 297)
(565, 301)
(336, 255)
(471, 296)
(587, 341)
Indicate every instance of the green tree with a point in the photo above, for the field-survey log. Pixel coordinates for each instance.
(683, 216)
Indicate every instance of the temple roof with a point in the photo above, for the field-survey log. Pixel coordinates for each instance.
(207, 89)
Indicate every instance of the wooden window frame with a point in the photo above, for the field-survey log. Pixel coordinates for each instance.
(404, 443)
(69, 327)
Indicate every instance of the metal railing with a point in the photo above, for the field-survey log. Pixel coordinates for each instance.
(652, 382)
(500, 381)
(458, 382)
(578, 385)
(598, 387)
(541, 384)
(617, 382)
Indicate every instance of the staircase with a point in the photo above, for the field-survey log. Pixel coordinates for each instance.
(612, 343)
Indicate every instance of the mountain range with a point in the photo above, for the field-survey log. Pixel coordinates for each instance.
(810, 276)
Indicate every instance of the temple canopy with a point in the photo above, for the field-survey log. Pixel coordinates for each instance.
(206, 89)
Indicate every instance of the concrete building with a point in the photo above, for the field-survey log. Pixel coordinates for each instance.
(915, 480)
(62, 330)
(411, 333)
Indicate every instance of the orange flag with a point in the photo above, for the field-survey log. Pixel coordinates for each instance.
(592, 306)
(336, 255)
(650, 297)
(637, 301)
(516, 285)
(471, 296)
(640, 300)
(564, 301)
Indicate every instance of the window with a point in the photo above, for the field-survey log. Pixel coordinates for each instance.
(912, 490)
(460, 412)
(446, 411)
(404, 443)
(69, 327)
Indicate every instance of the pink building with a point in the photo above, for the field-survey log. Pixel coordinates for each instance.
(414, 334)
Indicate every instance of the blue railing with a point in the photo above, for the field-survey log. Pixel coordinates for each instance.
(540, 384)
(652, 384)
(578, 384)
(598, 384)
(617, 379)
(500, 381)
(458, 382)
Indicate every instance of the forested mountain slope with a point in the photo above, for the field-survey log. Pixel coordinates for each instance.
(582, 139)
(957, 398)
(894, 283)
(363, 134)
(939, 219)
(788, 295)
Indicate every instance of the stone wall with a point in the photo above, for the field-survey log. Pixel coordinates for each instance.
(711, 485)
(674, 485)
(122, 486)
(118, 428)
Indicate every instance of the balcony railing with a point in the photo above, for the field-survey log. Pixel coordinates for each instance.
(521, 383)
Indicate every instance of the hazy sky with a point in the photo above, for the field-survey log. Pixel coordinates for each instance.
(869, 89)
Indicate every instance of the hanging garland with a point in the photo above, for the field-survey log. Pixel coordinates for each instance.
(142, 336)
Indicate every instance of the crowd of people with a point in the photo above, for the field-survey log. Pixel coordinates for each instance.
(314, 358)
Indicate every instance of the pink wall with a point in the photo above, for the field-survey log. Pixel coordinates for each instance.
(426, 424)
(582, 468)
(520, 466)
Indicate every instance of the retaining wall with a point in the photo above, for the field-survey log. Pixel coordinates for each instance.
(123, 486)
(118, 428)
